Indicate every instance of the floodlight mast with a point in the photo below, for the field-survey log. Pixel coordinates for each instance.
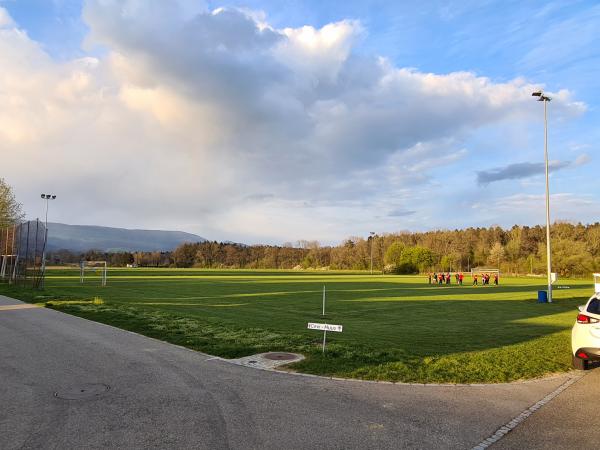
(371, 237)
(544, 98)
(48, 197)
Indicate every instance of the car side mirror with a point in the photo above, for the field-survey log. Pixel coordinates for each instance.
(580, 308)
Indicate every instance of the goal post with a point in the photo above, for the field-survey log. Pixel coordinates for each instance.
(3, 265)
(480, 270)
(9, 268)
(93, 265)
(486, 273)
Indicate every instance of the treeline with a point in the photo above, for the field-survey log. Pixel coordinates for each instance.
(521, 249)
(114, 259)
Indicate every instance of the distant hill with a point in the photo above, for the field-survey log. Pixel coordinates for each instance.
(80, 238)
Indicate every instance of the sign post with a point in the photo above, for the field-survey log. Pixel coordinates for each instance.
(325, 327)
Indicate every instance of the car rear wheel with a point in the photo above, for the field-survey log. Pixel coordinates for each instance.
(580, 364)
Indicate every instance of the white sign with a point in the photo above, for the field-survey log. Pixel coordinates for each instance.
(324, 327)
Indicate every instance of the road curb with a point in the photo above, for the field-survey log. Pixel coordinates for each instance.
(516, 421)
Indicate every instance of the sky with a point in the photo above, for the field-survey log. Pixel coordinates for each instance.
(277, 121)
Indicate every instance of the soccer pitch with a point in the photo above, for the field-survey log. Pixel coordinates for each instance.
(396, 328)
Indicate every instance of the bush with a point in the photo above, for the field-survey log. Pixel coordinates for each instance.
(408, 260)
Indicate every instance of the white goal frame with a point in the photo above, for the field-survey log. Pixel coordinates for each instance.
(93, 264)
(482, 270)
(5, 264)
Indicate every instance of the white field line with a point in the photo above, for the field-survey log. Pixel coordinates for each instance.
(508, 427)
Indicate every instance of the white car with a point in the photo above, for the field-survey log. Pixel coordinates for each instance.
(585, 337)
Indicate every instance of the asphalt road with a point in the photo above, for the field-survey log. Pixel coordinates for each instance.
(66, 382)
(570, 421)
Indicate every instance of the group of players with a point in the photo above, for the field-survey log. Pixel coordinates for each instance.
(485, 279)
(446, 278)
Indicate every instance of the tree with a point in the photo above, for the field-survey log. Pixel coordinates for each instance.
(569, 257)
(420, 258)
(593, 240)
(447, 262)
(10, 209)
(496, 254)
(513, 249)
(408, 260)
(184, 255)
(393, 255)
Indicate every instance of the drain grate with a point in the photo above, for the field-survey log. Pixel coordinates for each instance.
(83, 392)
(278, 356)
(268, 361)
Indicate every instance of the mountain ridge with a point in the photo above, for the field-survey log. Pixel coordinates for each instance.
(81, 238)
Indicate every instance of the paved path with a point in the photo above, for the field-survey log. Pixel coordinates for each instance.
(164, 396)
(571, 421)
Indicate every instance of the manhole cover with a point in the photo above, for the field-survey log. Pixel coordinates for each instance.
(83, 391)
(280, 356)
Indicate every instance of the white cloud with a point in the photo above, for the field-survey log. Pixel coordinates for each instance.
(5, 20)
(582, 159)
(317, 55)
(193, 116)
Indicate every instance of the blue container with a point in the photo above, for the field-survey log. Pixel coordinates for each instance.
(542, 297)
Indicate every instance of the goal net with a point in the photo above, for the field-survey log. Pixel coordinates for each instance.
(22, 253)
(484, 270)
(487, 275)
(93, 270)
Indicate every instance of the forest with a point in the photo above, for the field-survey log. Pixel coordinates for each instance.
(518, 250)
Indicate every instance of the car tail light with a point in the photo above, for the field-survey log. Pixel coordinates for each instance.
(582, 318)
(582, 355)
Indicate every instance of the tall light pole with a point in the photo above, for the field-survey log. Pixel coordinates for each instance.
(371, 238)
(46, 197)
(544, 98)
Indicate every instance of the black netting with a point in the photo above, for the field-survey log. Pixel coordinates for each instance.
(22, 253)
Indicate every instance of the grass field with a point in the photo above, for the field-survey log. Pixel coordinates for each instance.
(396, 328)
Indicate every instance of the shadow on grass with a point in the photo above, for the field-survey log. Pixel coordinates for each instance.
(512, 350)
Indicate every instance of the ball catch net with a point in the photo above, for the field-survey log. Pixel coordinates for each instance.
(22, 253)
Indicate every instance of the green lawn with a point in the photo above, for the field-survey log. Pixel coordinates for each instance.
(395, 327)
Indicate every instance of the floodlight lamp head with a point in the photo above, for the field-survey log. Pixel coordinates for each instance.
(53, 197)
(43, 195)
(536, 94)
